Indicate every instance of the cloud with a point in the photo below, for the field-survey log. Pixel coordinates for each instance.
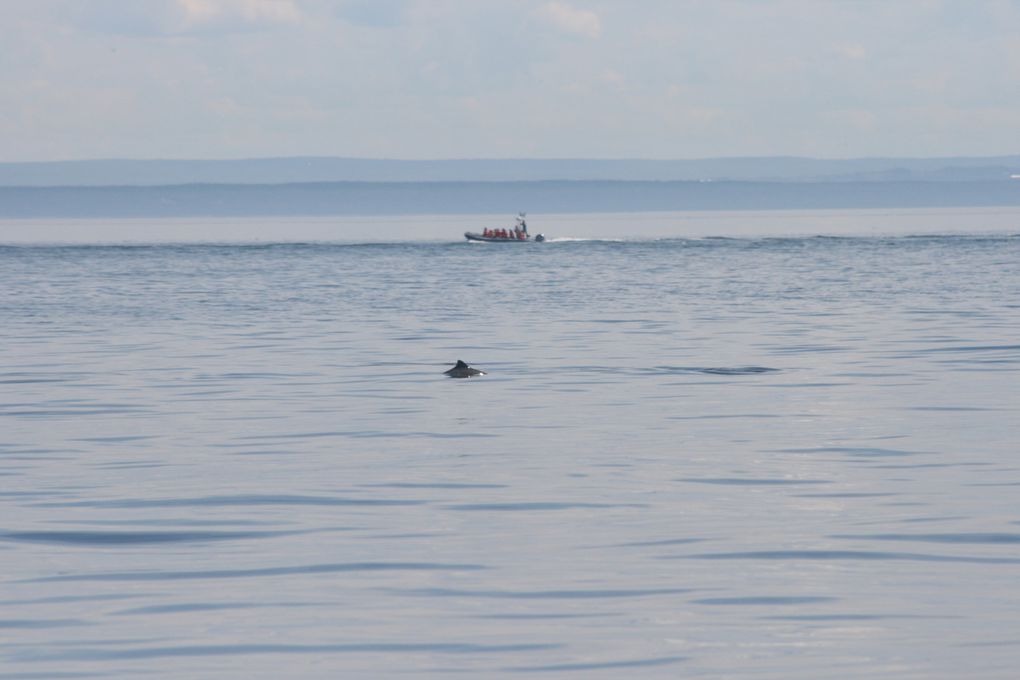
(445, 78)
(852, 51)
(373, 13)
(222, 13)
(177, 17)
(569, 20)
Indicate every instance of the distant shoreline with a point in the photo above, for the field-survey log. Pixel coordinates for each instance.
(164, 172)
(456, 198)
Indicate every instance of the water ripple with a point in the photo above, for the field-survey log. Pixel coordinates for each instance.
(111, 538)
(713, 370)
(594, 666)
(968, 538)
(370, 434)
(432, 485)
(201, 607)
(93, 654)
(542, 594)
(40, 623)
(853, 617)
(668, 541)
(670, 370)
(835, 555)
(863, 451)
(228, 501)
(343, 567)
(765, 600)
(848, 494)
(526, 507)
(740, 481)
(970, 348)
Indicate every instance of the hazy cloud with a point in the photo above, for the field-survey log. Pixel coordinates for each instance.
(570, 20)
(238, 12)
(489, 78)
(373, 13)
(177, 17)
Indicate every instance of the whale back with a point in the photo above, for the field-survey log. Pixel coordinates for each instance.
(462, 370)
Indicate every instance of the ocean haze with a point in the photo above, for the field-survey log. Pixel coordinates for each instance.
(154, 172)
(562, 196)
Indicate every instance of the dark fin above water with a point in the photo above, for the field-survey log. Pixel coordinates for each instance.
(462, 370)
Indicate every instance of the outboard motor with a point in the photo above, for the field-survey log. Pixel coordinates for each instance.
(540, 238)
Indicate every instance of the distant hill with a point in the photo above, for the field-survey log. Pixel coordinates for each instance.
(403, 198)
(314, 169)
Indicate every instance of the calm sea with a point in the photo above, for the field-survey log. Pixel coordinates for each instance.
(783, 447)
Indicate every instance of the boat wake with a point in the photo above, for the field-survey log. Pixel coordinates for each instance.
(675, 370)
(575, 239)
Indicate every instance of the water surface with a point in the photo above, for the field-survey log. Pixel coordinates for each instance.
(769, 457)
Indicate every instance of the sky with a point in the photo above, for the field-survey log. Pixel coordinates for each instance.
(430, 79)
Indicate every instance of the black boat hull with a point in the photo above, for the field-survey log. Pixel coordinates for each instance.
(474, 236)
